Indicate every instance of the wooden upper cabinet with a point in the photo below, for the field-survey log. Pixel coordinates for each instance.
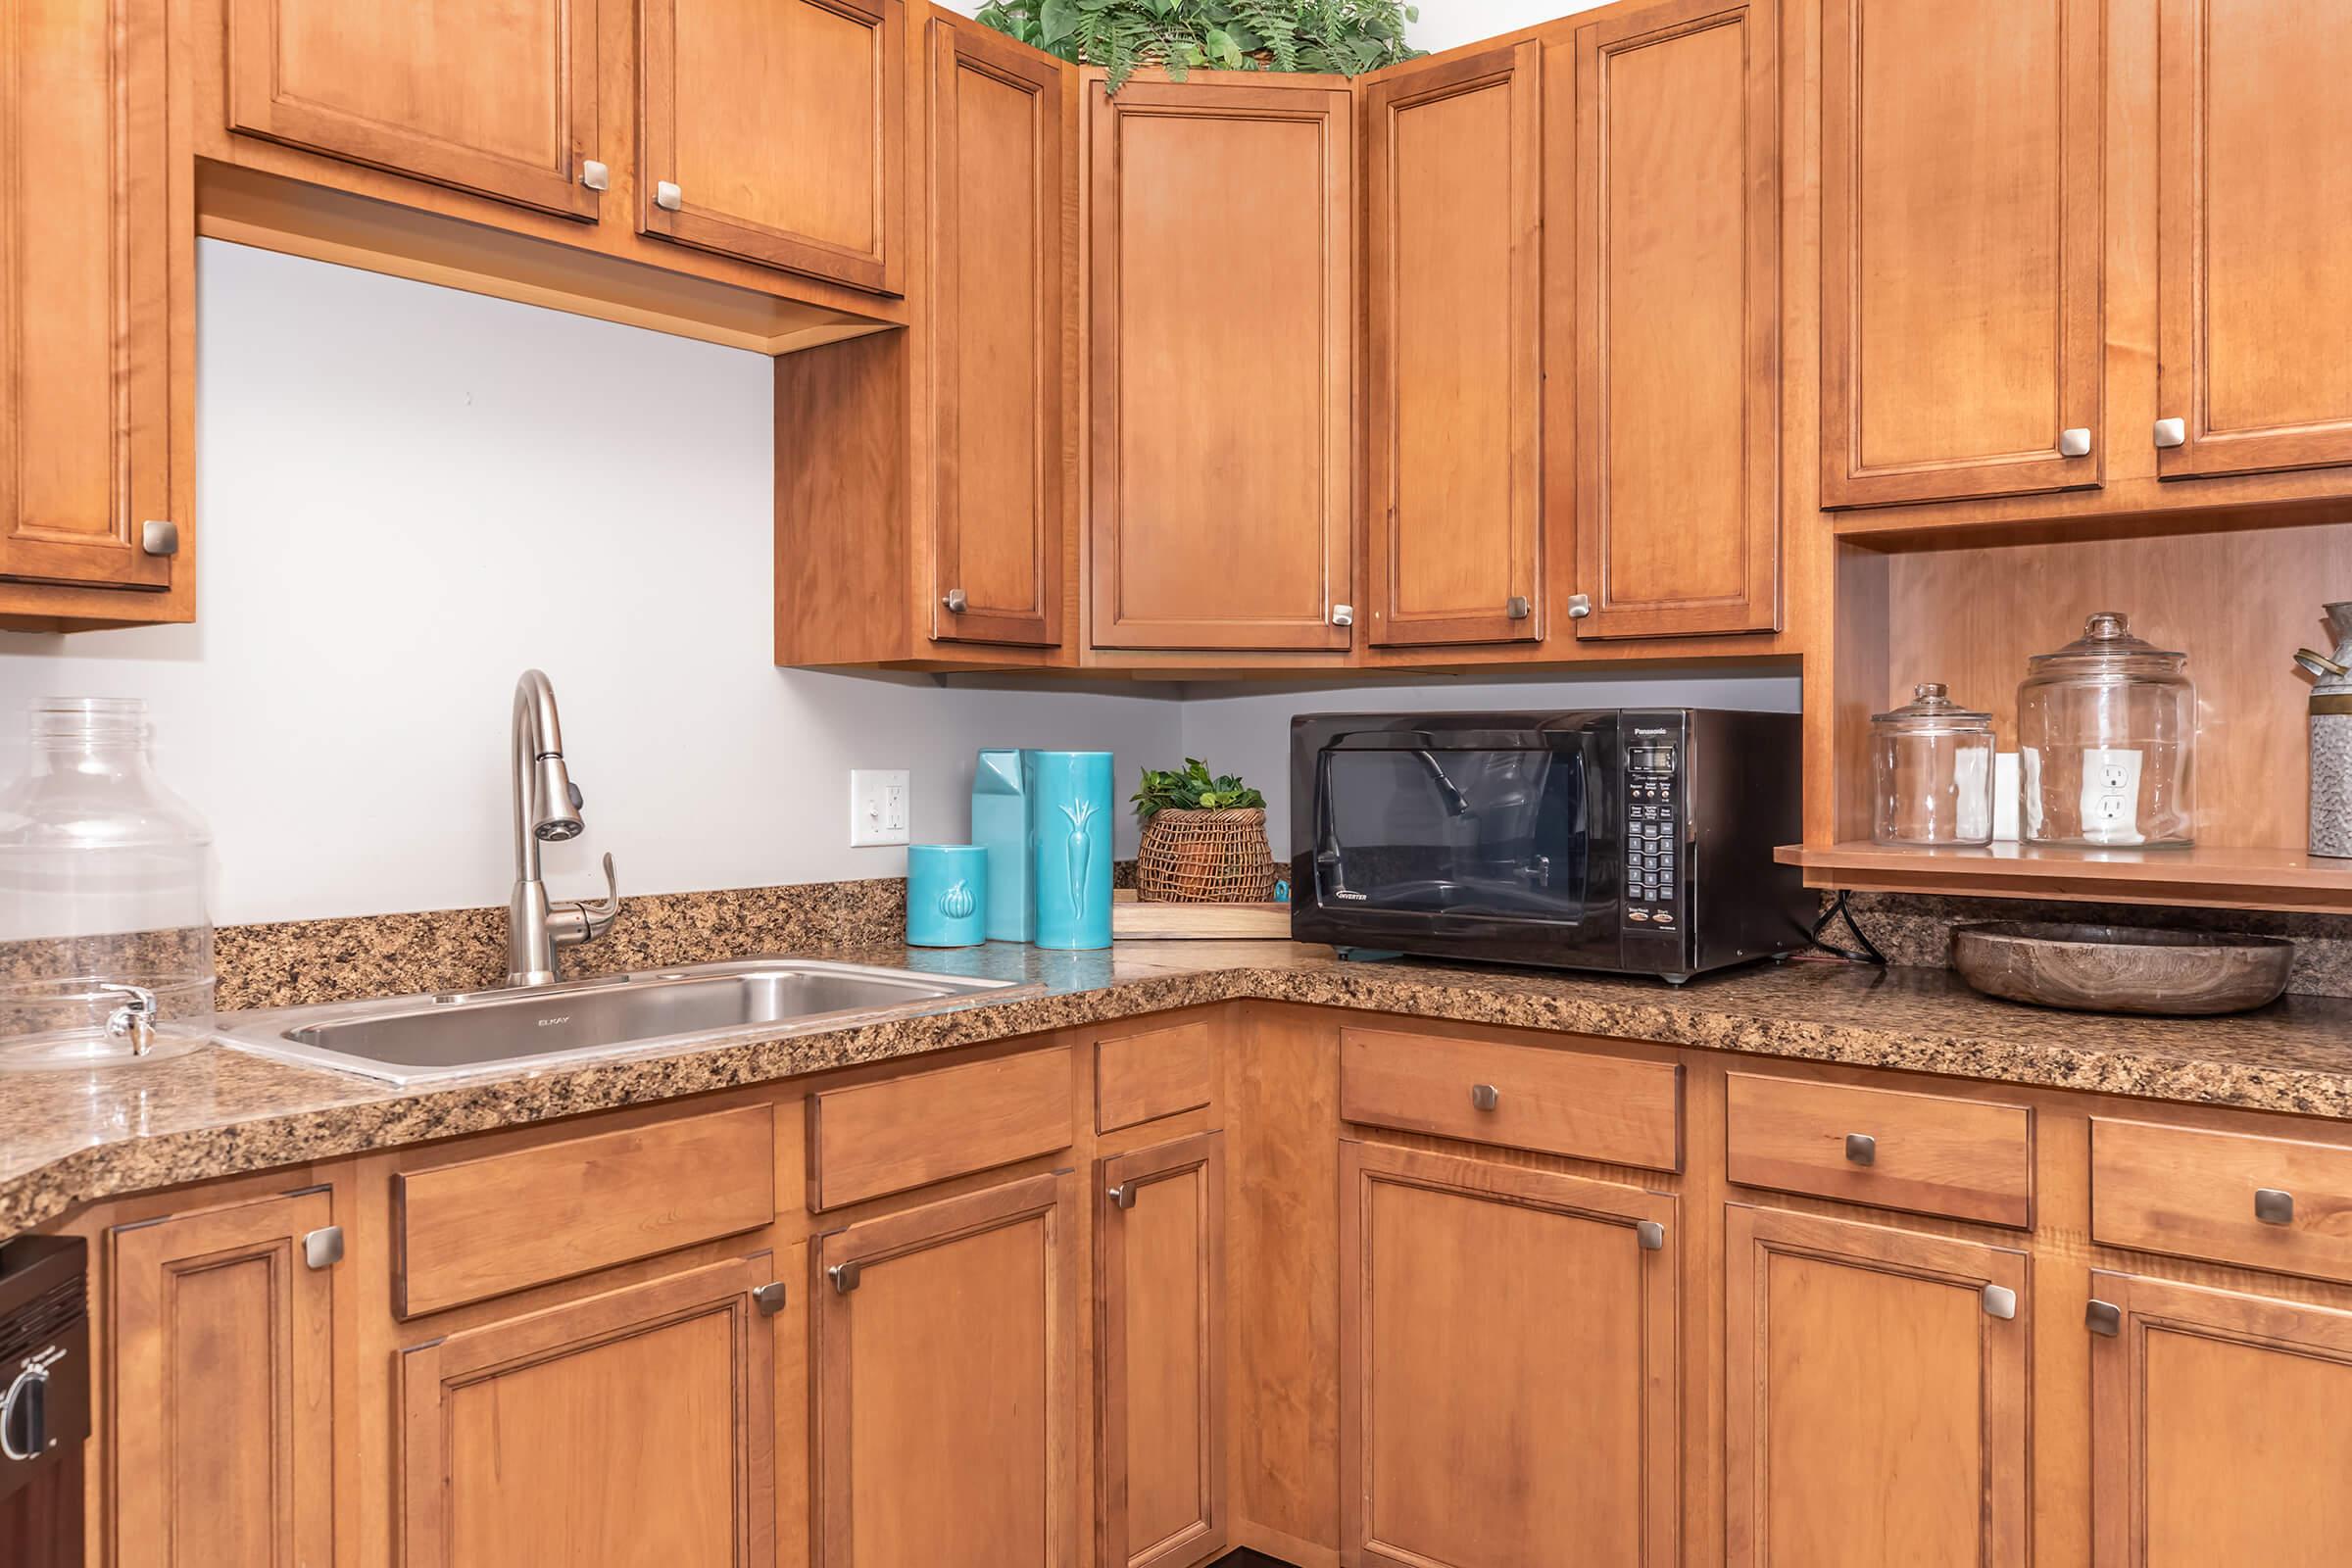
(946, 1355)
(635, 1426)
(85, 295)
(1161, 1307)
(999, 278)
(222, 1375)
(2254, 271)
(775, 130)
(1961, 193)
(1875, 1400)
(1221, 363)
(1454, 190)
(1507, 1366)
(2217, 1430)
(498, 100)
(1678, 309)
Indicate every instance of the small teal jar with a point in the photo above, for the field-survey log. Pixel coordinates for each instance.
(947, 895)
(1070, 815)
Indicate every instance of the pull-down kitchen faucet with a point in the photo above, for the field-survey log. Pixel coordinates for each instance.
(547, 808)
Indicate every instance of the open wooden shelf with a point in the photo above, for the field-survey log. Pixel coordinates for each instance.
(2211, 877)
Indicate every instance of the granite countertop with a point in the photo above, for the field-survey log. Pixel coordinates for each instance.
(67, 1139)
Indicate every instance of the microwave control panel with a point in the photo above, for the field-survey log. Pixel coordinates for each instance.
(1653, 836)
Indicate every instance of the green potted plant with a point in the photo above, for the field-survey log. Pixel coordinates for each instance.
(1204, 838)
(1344, 37)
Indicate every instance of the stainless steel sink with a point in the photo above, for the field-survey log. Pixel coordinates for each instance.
(416, 1039)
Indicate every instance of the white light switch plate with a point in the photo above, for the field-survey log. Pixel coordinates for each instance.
(881, 800)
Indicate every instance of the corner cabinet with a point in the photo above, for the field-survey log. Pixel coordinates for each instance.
(1508, 1365)
(1453, 160)
(222, 1394)
(946, 1418)
(1220, 350)
(1000, 278)
(96, 291)
(775, 131)
(1678, 320)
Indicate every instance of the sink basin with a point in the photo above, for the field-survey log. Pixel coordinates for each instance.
(417, 1040)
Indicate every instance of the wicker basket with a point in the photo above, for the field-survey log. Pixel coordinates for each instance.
(1204, 857)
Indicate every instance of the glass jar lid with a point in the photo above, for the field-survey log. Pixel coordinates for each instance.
(1932, 708)
(2107, 645)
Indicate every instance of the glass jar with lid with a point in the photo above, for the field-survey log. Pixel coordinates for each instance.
(2107, 731)
(106, 936)
(1933, 761)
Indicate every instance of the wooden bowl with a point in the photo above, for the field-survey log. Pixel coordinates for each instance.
(2113, 968)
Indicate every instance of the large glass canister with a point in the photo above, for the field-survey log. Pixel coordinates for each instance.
(1933, 762)
(106, 936)
(2107, 732)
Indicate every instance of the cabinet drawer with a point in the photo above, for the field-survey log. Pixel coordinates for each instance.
(2194, 1194)
(1142, 1077)
(1608, 1108)
(1924, 1153)
(887, 1137)
(483, 1227)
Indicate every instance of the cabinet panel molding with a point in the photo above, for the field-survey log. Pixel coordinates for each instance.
(1453, 163)
(1678, 320)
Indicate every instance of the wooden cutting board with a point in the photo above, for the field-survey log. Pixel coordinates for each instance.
(1133, 920)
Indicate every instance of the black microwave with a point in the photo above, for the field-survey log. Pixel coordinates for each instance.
(1636, 841)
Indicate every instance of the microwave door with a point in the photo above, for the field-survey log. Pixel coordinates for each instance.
(1424, 836)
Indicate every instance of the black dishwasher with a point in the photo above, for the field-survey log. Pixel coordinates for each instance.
(44, 1400)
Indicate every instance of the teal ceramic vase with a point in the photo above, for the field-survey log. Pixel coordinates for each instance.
(1070, 818)
(1001, 787)
(947, 895)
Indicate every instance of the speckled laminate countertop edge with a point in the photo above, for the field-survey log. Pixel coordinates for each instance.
(1824, 1016)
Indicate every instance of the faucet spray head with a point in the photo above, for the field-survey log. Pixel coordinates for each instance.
(554, 801)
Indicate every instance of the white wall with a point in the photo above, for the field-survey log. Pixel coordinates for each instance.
(407, 495)
(1247, 730)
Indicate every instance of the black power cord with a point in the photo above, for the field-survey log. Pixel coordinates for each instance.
(1839, 910)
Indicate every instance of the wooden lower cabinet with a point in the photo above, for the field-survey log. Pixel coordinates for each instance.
(1508, 1365)
(1875, 1400)
(635, 1426)
(1160, 1304)
(2219, 1427)
(222, 1388)
(946, 1347)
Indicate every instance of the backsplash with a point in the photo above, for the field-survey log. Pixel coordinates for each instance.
(289, 964)
(1916, 929)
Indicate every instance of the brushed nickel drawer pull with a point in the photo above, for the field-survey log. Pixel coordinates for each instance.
(1484, 1097)
(1861, 1149)
(323, 1246)
(845, 1277)
(2274, 1206)
(2103, 1318)
(1651, 1234)
(2000, 1302)
(1122, 1196)
(769, 1298)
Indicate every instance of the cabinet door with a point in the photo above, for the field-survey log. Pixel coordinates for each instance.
(1678, 320)
(2254, 274)
(222, 1394)
(997, 185)
(1508, 1365)
(1453, 164)
(1876, 1398)
(946, 1357)
(495, 99)
(84, 293)
(2219, 1432)
(637, 1426)
(1221, 364)
(1961, 200)
(1160, 1304)
(775, 130)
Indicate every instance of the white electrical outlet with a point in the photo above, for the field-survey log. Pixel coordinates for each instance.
(881, 800)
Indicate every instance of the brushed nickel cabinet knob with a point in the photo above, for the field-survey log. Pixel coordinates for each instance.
(2103, 1318)
(1861, 1149)
(158, 537)
(2074, 443)
(668, 196)
(1121, 1195)
(2274, 1206)
(2000, 1302)
(955, 600)
(1518, 609)
(1579, 606)
(2171, 432)
(1484, 1097)
(595, 176)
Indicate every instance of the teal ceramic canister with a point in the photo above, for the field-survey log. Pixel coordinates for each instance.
(1001, 786)
(1070, 820)
(947, 895)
